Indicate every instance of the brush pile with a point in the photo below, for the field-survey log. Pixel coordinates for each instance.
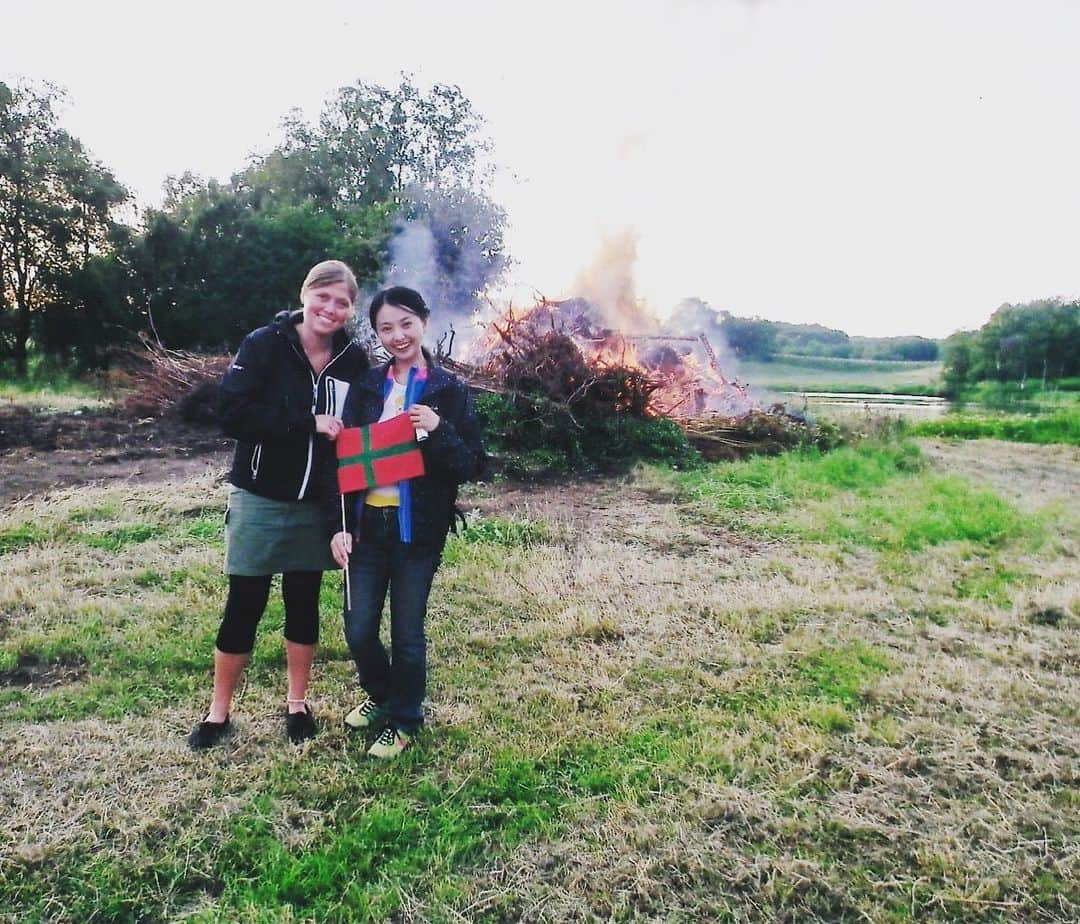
(570, 386)
(550, 365)
(553, 386)
(758, 431)
(160, 381)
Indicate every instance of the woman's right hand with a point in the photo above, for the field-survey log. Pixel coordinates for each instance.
(340, 547)
(328, 426)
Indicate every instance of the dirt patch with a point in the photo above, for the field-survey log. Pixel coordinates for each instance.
(40, 451)
(32, 671)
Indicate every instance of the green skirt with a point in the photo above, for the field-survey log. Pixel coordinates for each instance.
(264, 536)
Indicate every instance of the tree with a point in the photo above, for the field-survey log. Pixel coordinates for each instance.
(218, 266)
(750, 337)
(811, 340)
(421, 153)
(958, 362)
(389, 180)
(908, 349)
(372, 144)
(55, 211)
(1035, 339)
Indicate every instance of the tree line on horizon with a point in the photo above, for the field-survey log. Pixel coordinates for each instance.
(764, 340)
(1037, 340)
(219, 258)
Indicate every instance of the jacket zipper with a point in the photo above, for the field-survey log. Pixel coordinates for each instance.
(314, 409)
(256, 458)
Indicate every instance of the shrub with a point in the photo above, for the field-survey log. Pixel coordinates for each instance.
(534, 433)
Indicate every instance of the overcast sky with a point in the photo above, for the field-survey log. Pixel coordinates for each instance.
(882, 166)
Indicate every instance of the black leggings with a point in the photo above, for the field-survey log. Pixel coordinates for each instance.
(247, 603)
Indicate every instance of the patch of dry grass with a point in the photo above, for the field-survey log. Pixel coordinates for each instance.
(637, 713)
(46, 399)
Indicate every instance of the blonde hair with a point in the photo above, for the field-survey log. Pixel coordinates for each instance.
(326, 274)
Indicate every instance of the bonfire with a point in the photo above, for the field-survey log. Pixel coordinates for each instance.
(562, 351)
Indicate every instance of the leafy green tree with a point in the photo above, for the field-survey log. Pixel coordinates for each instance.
(959, 349)
(91, 310)
(56, 207)
(423, 154)
(811, 340)
(380, 170)
(1039, 339)
(373, 144)
(907, 349)
(218, 266)
(749, 337)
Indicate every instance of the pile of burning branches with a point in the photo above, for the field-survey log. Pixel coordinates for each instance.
(160, 380)
(565, 374)
(550, 364)
(557, 354)
(559, 384)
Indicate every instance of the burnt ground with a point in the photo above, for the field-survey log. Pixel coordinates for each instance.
(42, 451)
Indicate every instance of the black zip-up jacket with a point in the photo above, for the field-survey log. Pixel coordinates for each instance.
(453, 454)
(268, 401)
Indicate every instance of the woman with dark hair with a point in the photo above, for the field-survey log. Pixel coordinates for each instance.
(394, 535)
(281, 399)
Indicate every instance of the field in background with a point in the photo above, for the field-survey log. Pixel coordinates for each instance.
(805, 688)
(64, 396)
(834, 374)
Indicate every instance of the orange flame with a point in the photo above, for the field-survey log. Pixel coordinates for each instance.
(684, 375)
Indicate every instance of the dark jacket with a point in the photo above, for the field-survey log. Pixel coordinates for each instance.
(453, 454)
(268, 401)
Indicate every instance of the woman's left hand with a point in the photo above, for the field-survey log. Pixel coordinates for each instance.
(423, 418)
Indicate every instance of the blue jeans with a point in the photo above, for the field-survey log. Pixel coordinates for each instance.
(379, 561)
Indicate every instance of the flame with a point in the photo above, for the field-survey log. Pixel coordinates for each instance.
(682, 375)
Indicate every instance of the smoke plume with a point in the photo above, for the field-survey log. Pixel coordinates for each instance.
(448, 246)
(608, 285)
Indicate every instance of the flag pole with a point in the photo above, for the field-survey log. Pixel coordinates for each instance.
(348, 589)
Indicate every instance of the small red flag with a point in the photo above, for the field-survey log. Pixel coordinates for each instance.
(378, 454)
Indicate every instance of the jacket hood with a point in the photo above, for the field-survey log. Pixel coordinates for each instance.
(284, 320)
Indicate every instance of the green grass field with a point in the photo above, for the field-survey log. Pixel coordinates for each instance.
(1051, 426)
(808, 688)
(841, 375)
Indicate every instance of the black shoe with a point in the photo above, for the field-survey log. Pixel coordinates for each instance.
(207, 734)
(299, 726)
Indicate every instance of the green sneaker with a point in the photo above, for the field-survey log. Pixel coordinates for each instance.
(365, 715)
(391, 742)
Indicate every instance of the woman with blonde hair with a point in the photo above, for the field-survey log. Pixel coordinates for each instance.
(281, 399)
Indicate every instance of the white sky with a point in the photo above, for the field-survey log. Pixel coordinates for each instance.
(882, 166)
